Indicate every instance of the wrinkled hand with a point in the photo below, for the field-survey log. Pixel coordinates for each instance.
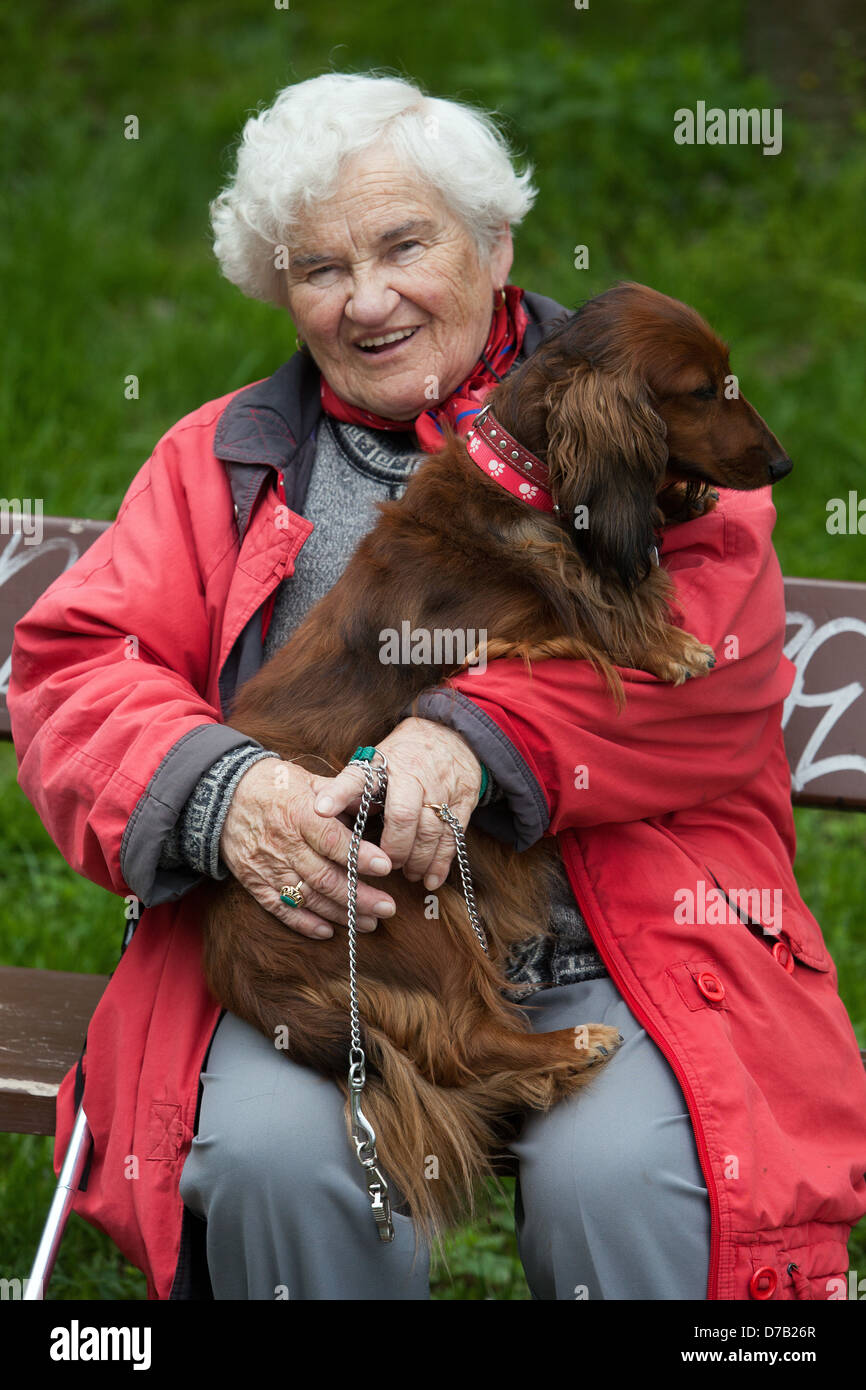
(427, 762)
(272, 837)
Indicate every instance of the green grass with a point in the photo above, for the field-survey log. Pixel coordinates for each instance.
(107, 272)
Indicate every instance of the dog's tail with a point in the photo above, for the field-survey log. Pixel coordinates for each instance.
(434, 1143)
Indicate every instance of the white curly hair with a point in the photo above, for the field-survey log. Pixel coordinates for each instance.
(291, 154)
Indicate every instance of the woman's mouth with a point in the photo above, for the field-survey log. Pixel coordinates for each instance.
(386, 344)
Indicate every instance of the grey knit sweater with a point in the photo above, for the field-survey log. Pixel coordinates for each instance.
(354, 468)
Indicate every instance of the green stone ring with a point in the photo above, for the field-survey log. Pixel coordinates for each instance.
(363, 755)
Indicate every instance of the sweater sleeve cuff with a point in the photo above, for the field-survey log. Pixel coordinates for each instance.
(492, 792)
(194, 840)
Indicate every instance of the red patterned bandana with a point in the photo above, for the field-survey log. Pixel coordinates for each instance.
(503, 344)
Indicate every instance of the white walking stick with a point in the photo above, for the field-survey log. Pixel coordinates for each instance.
(58, 1215)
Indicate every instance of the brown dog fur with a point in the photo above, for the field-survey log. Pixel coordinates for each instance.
(625, 402)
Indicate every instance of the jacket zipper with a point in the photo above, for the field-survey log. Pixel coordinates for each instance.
(715, 1215)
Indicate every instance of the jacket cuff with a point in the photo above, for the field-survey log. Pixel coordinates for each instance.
(159, 809)
(520, 817)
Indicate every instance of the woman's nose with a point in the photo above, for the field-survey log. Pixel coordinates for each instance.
(371, 300)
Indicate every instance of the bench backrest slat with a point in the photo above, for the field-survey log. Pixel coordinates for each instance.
(824, 718)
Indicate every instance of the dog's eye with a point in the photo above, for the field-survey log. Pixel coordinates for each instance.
(705, 393)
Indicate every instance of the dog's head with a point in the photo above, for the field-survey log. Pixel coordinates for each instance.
(632, 393)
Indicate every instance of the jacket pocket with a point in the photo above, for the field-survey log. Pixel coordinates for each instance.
(698, 982)
(783, 925)
(806, 1263)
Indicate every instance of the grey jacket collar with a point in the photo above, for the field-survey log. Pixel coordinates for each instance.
(266, 425)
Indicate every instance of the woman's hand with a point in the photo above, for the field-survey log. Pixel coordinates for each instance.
(427, 762)
(272, 837)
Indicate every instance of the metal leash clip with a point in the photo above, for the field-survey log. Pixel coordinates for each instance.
(364, 1139)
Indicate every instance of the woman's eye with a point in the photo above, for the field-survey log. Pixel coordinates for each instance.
(705, 393)
(321, 272)
(403, 245)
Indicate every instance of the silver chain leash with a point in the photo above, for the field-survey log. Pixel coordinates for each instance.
(363, 1134)
(444, 813)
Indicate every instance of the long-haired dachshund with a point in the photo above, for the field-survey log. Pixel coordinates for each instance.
(630, 406)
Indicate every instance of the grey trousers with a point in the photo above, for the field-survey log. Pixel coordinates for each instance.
(611, 1201)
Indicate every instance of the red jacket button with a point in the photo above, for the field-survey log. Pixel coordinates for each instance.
(763, 1283)
(711, 987)
(784, 956)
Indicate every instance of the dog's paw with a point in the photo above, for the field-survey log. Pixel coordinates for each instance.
(696, 659)
(706, 502)
(596, 1042)
(703, 663)
(693, 659)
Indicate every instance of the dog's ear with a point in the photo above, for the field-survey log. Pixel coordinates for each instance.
(606, 454)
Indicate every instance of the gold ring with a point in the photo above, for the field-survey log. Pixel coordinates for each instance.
(293, 897)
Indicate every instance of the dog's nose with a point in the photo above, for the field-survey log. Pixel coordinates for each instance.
(779, 468)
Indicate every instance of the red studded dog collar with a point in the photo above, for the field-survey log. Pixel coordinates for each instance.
(499, 455)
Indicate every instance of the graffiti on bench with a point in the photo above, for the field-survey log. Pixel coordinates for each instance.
(824, 717)
(27, 570)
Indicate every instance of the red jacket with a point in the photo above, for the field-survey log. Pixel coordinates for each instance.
(689, 786)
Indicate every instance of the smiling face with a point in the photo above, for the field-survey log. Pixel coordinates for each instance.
(384, 258)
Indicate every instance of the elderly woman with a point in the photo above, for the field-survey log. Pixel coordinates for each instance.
(381, 220)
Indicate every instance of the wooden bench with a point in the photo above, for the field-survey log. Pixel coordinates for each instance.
(44, 1014)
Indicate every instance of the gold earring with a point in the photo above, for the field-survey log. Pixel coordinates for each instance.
(299, 342)
(501, 303)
